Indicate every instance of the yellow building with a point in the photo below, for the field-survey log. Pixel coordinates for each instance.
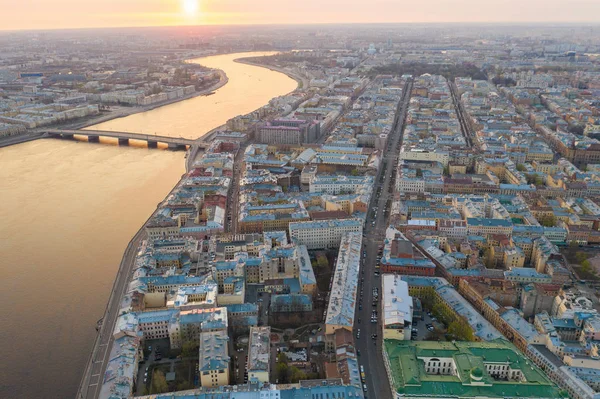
(214, 359)
(513, 257)
(456, 168)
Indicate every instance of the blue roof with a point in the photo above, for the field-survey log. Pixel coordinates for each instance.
(293, 283)
(489, 222)
(325, 223)
(518, 187)
(288, 299)
(225, 265)
(564, 323)
(528, 229)
(464, 272)
(214, 319)
(242, 308)
(177, 279)
(525, 272)
(156, 316)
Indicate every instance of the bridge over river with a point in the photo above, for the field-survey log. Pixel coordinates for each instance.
(174, 143)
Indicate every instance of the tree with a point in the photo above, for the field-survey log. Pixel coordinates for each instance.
(322, 262)
(184, 385)
(281, 358)
(159, 383)
(548, 221)
(586, 266)
(419, 172)
(580, 256)
(538, 181)
(573, 244)
(439, 312)
(189, 349)
(461, 331)
(521, 167)
(530, 178)
(502, 81)
(282, 369)
(296, 374)
(354, 172)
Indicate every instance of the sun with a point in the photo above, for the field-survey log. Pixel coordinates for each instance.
(190, 7)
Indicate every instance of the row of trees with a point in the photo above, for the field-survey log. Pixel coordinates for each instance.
(287, 374)
(458, 328)
(534, 179)
(582, 259)
(449, 71)
(504, 81)
(548, 221)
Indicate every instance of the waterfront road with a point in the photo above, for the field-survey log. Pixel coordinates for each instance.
(20, 138)
(371, 356)
(93, 374)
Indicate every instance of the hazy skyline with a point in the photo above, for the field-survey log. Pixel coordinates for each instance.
(62, 14)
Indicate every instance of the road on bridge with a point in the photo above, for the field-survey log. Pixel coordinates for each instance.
(124, 135)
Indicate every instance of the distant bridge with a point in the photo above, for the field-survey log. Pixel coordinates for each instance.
(174, 143)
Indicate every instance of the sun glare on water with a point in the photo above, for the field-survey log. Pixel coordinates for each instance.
(190, 7)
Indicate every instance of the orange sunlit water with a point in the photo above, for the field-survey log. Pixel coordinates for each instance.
(68, 209)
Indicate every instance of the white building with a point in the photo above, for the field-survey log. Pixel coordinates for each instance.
(424, 155)
(410, 185)
(323, 234)
(259, 354)
(397, 308)
(342, 299)
(339, 184)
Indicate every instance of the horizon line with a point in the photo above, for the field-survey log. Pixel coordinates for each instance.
(228, 25)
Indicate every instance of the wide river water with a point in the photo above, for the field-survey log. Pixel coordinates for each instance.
(68, 210)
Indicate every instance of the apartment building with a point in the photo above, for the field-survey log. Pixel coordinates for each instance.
(323, 234)
(214, 359)
(259, 354)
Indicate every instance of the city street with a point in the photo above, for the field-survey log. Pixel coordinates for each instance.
(233, 200)
(371, 356)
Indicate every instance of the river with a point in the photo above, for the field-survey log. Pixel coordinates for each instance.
(68, 210)
(248, 88)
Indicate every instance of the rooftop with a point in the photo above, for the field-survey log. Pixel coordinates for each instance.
(213, 351)
(470, 378)
(397, 304)
(259, 349)
(342, 300)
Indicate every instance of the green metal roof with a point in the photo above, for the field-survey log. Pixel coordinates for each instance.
(471, 380)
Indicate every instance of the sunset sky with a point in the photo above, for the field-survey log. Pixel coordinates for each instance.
(56, 14)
